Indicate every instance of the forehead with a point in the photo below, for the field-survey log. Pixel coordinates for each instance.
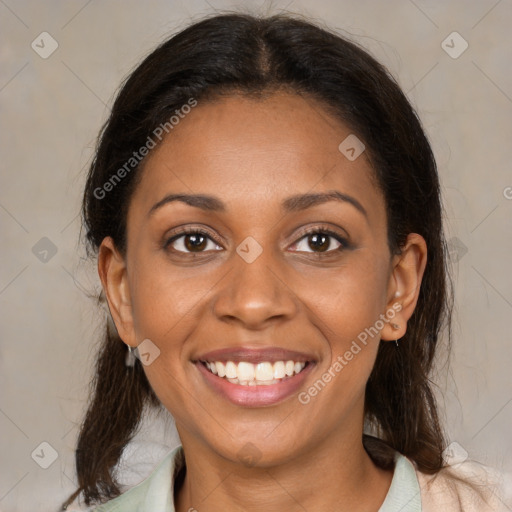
(252, 152)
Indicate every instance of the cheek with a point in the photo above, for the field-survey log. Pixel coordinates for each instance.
(167, 307)
(165, 301)
(349, 300)
(347, 309)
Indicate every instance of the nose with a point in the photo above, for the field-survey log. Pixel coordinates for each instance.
(255, 294)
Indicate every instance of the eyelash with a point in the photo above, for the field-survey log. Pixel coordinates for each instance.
(344, 244)
(324, 230)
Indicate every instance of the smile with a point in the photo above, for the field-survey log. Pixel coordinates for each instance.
(255, 376)
(249, 374)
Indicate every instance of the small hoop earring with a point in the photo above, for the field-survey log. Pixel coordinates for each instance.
(130, 358)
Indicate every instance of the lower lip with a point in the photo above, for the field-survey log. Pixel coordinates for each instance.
(255, 396)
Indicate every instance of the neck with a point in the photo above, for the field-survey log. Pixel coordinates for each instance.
(344, 477)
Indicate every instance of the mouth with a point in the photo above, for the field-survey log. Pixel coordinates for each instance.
(255, 377)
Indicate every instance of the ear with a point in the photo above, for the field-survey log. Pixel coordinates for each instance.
(404, 286)
(114, 279)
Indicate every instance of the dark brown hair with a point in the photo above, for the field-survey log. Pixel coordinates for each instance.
(242, 54)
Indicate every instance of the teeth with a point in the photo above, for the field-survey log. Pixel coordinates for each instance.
(264, 371)
(249, 374)
(221, 369)
(231, 370)
(253, 382)
(279, 371)
(245, 371)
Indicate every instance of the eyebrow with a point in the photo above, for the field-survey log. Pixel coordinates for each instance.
(304, 201)
(291, 204)
(207, 203)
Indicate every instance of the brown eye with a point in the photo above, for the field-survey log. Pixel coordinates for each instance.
(320, 241)
(192, 242)
(195, 242)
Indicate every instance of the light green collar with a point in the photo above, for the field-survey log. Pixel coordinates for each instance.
(156, 492)
(404, 492)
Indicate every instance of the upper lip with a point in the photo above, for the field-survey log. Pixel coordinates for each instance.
(255, 355)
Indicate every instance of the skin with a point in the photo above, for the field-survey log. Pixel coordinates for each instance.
(253, 154)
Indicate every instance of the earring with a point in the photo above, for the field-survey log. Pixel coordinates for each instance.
(395, 326)
(130, 358)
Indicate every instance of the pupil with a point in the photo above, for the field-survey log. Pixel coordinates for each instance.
(194, 242)
(322, 245)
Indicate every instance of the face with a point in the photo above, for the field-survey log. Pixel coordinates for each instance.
(272, 267)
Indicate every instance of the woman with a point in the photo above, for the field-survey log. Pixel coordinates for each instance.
(266, 211)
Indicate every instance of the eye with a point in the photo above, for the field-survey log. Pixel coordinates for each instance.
(192, 241)
(320, 240)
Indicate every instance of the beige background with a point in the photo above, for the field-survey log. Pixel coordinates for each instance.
(51, 111)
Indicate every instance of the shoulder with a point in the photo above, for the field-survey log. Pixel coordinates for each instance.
(154, 493)
(465, 487)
